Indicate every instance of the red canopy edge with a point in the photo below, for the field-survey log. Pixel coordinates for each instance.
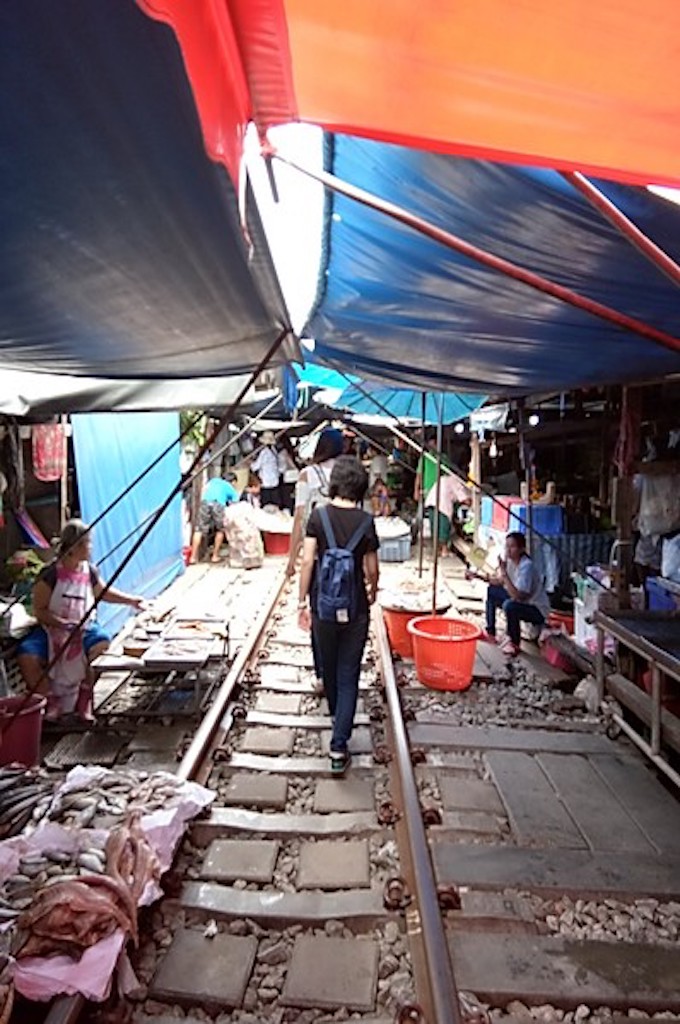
(574, 86)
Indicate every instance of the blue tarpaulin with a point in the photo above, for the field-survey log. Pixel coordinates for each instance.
(376, 399)
(397, 305)
(111, 449)
(123, 250)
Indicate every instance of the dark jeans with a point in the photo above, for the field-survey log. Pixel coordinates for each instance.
(515, 612)
(270, 496)
(341, 646)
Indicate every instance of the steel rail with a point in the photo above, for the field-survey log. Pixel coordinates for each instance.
(191, 763)
(443, 991)
(69, 1009)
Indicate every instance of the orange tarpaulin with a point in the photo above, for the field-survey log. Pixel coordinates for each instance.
(586, 84)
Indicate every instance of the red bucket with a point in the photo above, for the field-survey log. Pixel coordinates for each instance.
(444, 651)
(396, 622)
(276, 543)
(21, 728)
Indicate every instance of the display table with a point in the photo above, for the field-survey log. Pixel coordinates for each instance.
(180, 654)
(654, 636)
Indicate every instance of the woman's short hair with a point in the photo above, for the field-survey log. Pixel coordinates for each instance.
(329, 445)
(349, 479)
(73, 532)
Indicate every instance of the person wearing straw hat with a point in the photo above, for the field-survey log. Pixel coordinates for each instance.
(266, 465)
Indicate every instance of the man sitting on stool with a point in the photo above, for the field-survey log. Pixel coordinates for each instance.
(518, 590)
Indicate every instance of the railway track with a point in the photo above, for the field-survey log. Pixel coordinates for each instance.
(458, 872)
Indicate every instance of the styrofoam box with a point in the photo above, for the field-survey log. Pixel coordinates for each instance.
(397, 549)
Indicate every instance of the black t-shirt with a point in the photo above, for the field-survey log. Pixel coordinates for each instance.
(344, 522)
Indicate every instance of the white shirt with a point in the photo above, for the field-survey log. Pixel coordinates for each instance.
(266, 465)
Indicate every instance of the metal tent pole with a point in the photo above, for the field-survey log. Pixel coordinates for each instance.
(435, 562)
(421, 496)
(649, 249)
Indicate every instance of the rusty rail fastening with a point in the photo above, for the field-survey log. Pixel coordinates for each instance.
(443, 992)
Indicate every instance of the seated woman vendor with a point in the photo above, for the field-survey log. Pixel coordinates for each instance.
(55, 656)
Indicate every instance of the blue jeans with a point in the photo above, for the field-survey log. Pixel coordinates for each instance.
(515, 612)
(341, 647)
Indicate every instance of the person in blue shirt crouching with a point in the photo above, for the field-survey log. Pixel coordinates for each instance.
(217, 494)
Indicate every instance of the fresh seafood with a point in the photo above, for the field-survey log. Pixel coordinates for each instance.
(112, 795)
(39, 870)
(25, 795)
(67, 915)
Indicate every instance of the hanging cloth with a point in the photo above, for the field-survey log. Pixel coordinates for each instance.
(49, 451)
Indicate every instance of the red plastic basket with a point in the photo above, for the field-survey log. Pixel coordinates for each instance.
(276, 543)
(444, 651)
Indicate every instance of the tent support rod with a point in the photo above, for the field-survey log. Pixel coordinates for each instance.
(437, 513)
(623, 225)
(421, 491)
(487, 259)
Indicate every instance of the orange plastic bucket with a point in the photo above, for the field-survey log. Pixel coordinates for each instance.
(400, 639)
(21, 729)
(396, 621)
(276, 543)
(444, 651)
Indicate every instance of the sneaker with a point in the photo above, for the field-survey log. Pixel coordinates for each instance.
(489, 638)
(340, 760)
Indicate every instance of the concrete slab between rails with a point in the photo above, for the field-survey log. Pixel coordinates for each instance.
(332, 974)
(304, 766)
(297, 721)
(250, 859)
(542, 969)
(260, 739)
(279, 703)
(259, 791)
(356, 908)
(467, 737)
(306, 687)
(211, 973)
(332, 864)
(225, 820)
(578, 873)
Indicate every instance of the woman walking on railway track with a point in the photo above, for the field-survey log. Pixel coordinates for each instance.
(338, 582)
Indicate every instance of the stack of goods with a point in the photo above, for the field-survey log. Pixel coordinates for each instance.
(414, 595)
(243, 536)
(395, 538)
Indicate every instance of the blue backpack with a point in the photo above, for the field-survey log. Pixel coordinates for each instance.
(337, 583)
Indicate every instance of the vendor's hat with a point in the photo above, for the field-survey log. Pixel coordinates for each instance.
(268, 437)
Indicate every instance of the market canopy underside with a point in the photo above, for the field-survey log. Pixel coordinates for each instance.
(397, 305)
(123, 254)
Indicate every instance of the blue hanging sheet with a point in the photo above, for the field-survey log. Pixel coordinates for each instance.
(111, 449)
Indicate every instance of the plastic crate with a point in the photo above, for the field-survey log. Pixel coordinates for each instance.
(500, 517)
(547, 519)
(658, 598)
(396, 549)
